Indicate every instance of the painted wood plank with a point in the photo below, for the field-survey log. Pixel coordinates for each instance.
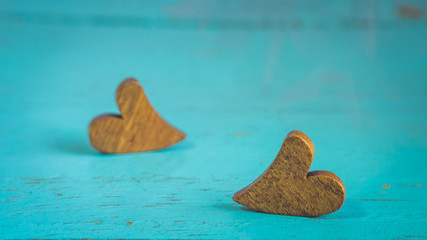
(236, 79)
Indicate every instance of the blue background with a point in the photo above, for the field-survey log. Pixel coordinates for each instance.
(236, 76)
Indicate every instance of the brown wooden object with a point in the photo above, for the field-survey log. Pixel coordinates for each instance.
(139, 128)
(287, 188)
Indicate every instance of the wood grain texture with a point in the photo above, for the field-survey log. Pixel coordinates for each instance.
(286, 188)
(139, 128)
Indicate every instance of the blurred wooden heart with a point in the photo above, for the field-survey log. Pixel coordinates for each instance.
(287, 188)
(139, 128)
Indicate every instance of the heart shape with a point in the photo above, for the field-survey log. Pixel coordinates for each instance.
(139, 128)
(287, 188)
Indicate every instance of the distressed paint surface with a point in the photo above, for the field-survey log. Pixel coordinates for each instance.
(350, 75)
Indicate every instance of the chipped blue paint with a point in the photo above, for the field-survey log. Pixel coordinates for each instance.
(236, 88)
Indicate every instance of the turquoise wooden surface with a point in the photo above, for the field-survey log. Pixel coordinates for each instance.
(236, 77)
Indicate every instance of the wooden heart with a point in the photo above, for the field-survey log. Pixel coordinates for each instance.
(287, 188)
(139, 128)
